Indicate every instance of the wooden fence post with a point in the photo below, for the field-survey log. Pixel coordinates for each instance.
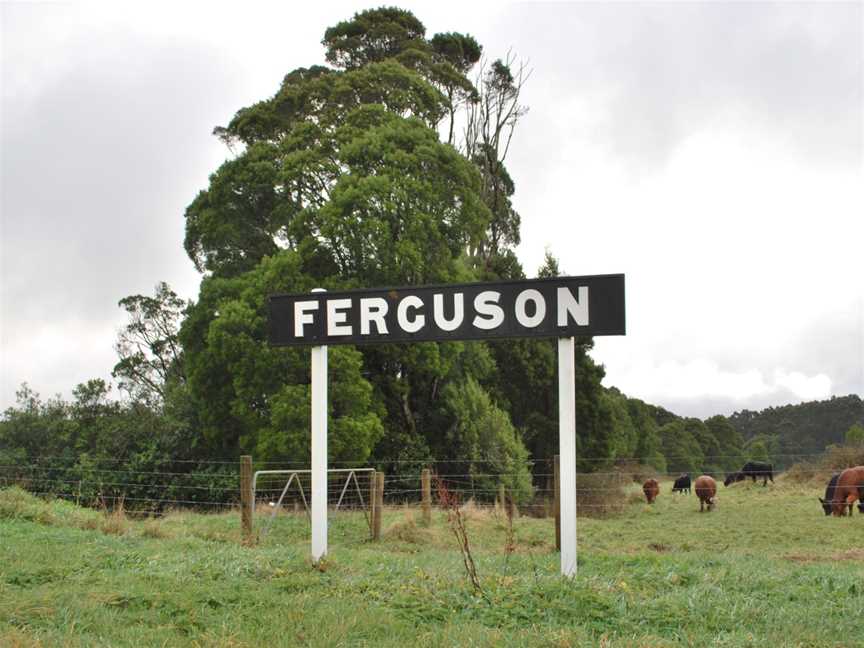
(379, 505)
(373, 502)
(557, 477)
(426, 488)
(246, 496)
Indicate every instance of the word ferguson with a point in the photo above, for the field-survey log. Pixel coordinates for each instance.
(559, 307)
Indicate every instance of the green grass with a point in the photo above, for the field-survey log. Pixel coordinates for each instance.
(765, 568)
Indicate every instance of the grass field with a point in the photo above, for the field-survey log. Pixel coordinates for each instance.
(766, 568)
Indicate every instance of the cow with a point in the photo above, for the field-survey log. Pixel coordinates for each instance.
(752, 469)
(850, 487)
(706, 491)
(682, 484)
(733, 477)
(651, 489)
(829, 494)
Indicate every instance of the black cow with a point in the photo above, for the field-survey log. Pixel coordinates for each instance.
(682, 484)
(752, 469)
(731, 478)
(829, 495)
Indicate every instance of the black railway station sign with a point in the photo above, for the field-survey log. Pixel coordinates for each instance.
(555, 307)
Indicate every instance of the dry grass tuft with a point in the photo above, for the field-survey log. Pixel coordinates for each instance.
(84, 518)
(115, 521)
(407, 530)
(15, 638)
(154, 528)
(471, 511)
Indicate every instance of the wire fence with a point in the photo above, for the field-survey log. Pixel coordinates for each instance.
(214, 486)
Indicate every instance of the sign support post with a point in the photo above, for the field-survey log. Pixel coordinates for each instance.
(553, 307)
(567, 451)
(319, 450)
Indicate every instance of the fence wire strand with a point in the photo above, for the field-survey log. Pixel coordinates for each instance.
(154, 491)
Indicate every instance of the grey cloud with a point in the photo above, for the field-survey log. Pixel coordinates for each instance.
(96, 172)
(97, 169)
(662, 71)
(834, 346)
(706, 407)
(831, 344)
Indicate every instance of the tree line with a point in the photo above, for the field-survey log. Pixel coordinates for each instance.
(386, 166)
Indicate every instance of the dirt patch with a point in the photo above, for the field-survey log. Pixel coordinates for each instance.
(849, 554)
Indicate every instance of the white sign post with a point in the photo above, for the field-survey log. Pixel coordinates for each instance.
(319, 450)
(567, 450)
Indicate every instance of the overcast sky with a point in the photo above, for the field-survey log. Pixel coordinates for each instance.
(711, 152)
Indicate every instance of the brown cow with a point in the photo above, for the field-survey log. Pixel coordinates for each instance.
(850, 487)
(706, 491)
(651, 489)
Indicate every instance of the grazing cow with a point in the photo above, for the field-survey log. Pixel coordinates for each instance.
(850, 487)
(829, 494)
(731, 478)
(706, 491)
(651, 489)
(682, 484)
(752, 469)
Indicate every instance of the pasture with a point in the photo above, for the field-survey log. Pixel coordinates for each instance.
(766, 567)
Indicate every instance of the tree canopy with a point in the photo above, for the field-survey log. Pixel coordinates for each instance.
(343, 181)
